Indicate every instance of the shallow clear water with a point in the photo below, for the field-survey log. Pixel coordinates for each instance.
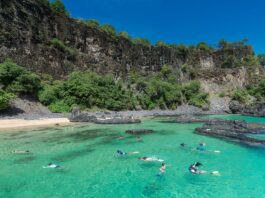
(93, 170)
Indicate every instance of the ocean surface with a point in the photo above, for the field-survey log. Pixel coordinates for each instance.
(93, 170)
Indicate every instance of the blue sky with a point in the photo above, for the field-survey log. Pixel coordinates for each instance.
(179, 21)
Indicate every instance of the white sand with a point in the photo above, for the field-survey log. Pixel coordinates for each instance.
(20, 123)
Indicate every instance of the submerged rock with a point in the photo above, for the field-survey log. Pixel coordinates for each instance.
(139, 131)
(189, 119)
(117, 121)
(235, 130)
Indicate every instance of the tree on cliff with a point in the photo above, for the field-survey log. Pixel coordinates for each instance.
(59, 7)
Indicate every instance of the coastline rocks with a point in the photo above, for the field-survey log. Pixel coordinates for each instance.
(234, 130)
(82, 117)
(183, 119)
(118, 120)
(101, 118)
(139, 131)
(250, 110)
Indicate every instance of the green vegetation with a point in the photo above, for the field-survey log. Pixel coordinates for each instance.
(92, 91)
(232, 45)
(109, 29)
(181, 50)
(189, 70)
(261, 59)
(16, 79)
(202, 46)
(125, 35)
(161, 43)
(59, 7)
(5, 99)
(59, 107)
(222, 94)
(58, 44)
(92, 23)
(258, 91)
(141, 41)
(240, 95)
(88, 90)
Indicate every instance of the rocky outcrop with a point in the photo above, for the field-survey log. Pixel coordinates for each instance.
(101, 118)
(28, 26)
(117, 121)
(256, 109)
(234, 130)
(139, 131)
(183, 119)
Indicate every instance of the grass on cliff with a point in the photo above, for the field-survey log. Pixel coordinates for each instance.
(58, 44)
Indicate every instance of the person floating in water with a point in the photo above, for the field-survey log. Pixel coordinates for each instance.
(51, 165)
(121, 153)
(201, 147)
(139, 139)
(182, 145)
(21, 152)
(162, 168)
(194, 168)
(150, 159)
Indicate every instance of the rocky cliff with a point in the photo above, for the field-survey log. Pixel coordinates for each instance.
(28, 26)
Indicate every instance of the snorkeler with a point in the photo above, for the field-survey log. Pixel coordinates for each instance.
(121, 153)
(194, 168)
(150, 159)
(201, 147)
(21, 152)
(51, 165)
(162, 168)
(182, 145)
(139, 139)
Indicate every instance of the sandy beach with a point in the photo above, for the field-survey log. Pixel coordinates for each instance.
(11, 124)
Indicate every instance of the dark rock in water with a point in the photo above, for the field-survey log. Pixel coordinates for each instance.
(117, 121)
(235, 130)
(101, 118)
(257, 109)
(188, 119)
(139, 131)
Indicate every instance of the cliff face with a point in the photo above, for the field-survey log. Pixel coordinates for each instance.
(28, 26)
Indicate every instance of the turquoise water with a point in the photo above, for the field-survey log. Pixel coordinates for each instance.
(93, 170)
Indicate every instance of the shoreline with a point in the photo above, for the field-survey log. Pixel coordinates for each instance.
(17, 124)
(33, 121)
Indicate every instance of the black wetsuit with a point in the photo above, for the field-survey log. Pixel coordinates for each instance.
(121, 153)
(193, 169)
